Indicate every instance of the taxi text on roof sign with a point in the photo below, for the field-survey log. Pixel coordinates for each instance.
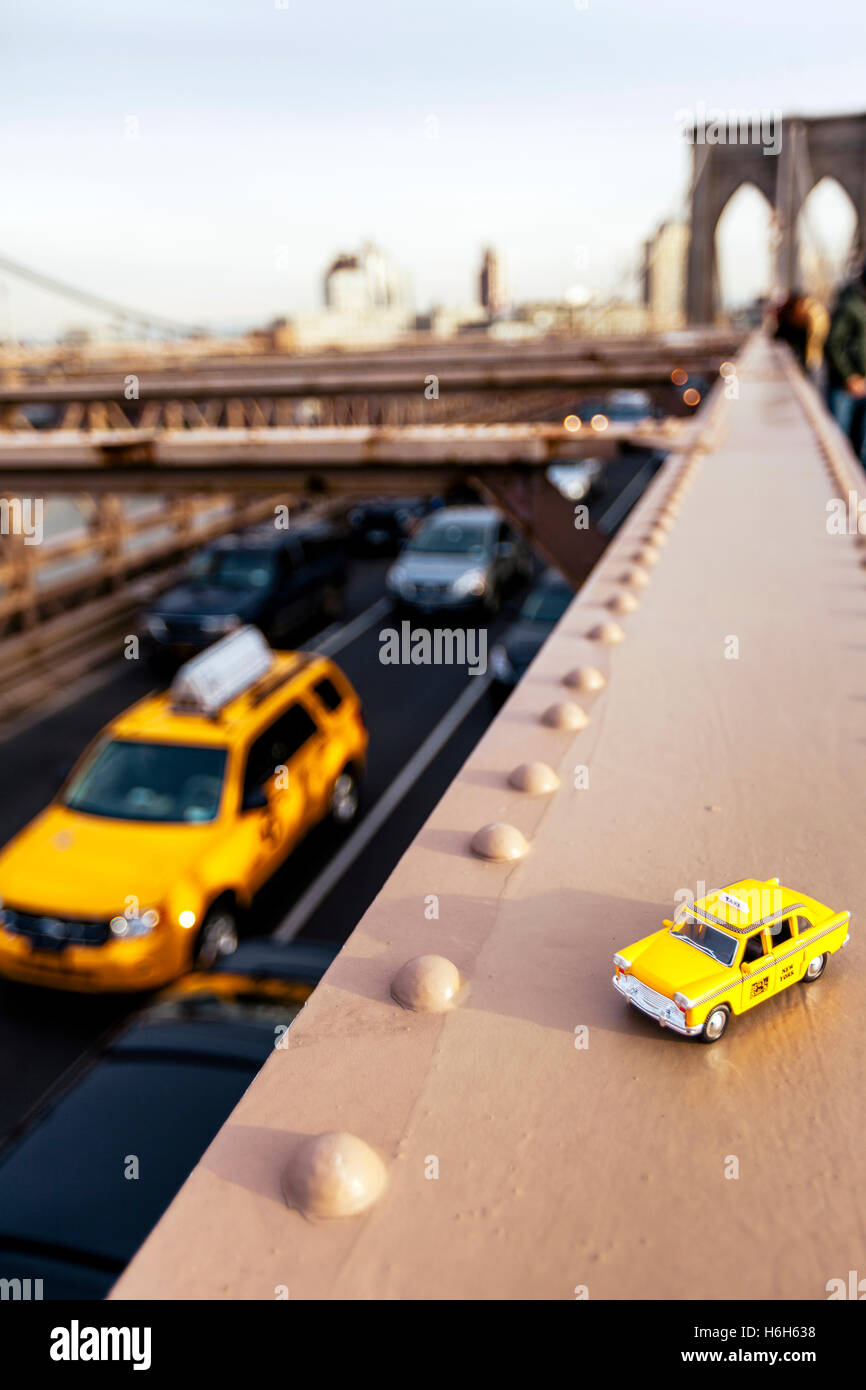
(219, 674)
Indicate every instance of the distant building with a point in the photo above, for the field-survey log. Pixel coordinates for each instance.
(364, 282)
(492, 283)
(664, 276)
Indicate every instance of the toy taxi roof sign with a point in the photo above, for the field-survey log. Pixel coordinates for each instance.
(211, 680)
(744, 905)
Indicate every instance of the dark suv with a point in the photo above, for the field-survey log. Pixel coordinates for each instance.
(276, 580)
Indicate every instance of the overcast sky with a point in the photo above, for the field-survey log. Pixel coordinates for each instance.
(164, 153)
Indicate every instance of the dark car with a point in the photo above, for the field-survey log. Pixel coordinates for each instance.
(275, 580)
(97, 1165)
(383, 525)
(542, 609)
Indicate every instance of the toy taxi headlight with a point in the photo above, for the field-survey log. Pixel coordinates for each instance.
(137, 924)
(621, 963)
(682, 1002)
(221, 673)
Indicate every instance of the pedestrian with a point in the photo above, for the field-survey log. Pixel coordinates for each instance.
(846, 363)
(803, 323)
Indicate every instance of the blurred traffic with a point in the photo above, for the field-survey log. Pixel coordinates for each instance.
(251, 804)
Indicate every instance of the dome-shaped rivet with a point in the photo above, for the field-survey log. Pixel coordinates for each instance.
(664, 521)
(334, 1174)
(565, 714)
(636, 578)
(427, 984)
(499, 841)
(584, 678)
(647, 555)
(608, 632)
(535, 778)
(658, 537)
(623, 602)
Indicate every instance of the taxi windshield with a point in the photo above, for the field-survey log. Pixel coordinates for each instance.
(168, 782)
(715, 943)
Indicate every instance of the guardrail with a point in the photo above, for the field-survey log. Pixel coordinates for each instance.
(65, 604)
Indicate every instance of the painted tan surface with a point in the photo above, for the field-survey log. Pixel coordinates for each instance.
(601, 1167)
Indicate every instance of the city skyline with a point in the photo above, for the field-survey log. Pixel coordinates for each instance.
(206, 165)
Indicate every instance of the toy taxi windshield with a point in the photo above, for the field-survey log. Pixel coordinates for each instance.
(715, 943)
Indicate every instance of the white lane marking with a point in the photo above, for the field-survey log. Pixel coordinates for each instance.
(314, 642)
(337, 640)
(378, 814)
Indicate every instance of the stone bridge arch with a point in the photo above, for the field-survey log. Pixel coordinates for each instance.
(784, 160)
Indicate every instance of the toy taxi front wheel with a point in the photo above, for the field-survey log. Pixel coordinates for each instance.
(815, 969)
(716, 1023)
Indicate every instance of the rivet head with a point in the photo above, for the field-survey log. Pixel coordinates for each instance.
(647, 555)
(623, 602)
(535, 778)
(427, 984)
(584, 678)
(658, 537)
(565, 714)
(334, 1174)
(499, 841)
(636, 578)
(608, 632)
(664, 522)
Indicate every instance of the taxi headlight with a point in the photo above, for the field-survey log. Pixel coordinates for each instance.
(472, 582)
(138, 924)
(682, 1002)
(622, 963)
(396, 579)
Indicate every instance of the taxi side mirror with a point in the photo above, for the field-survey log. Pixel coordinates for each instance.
(254, 799)
(666, 923)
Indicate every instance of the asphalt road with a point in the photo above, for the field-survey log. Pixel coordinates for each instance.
(423, 722)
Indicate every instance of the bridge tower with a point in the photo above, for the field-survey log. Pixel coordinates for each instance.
(784, 157)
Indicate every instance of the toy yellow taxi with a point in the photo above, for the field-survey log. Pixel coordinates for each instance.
(726, 952)
(176, 815)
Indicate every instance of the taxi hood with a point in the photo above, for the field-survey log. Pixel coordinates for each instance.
(669, 964)
(65, 863)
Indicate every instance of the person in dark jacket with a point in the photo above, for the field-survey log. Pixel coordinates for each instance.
(845, 354)
(803, 323)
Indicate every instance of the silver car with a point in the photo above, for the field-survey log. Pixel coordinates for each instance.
(460, 557)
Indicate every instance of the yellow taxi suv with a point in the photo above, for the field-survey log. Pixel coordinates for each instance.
(727, 952)
(180, 810)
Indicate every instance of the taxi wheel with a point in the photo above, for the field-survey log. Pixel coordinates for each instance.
(716, 1024)
(345, 798)
(815, 969)
(218, 935)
